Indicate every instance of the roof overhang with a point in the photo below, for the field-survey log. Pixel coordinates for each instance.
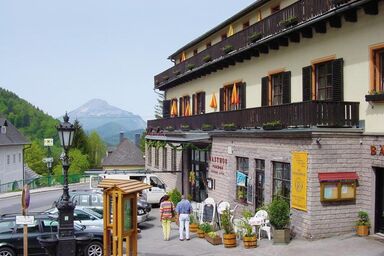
(337, 176)
(181, 137)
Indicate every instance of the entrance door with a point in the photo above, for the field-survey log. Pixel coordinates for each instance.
(198, 175)
(259, 183)
(379, 211)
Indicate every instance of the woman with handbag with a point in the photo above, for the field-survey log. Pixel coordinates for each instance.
(166, 216)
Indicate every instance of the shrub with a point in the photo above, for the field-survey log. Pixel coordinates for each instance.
(174, 196)
(278, 212)
(226, 222)
(207, 58)
(248, 229)
(363, 219)
(205, 227)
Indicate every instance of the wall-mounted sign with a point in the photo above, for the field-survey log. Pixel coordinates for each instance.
(377, 150)
(48, 142)
(299, 180)
(218, 164)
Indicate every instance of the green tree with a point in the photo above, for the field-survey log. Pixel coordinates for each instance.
(78, 163)
(97, 149)
(80, 139)
(142, 141)
(34, 158)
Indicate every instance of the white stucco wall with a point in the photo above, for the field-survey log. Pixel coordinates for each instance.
(14, 170)
(351, 42)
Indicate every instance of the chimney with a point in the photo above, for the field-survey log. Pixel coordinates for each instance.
(137, 140)
(4, 127)
(121, 136)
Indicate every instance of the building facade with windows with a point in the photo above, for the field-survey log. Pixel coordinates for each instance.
(282, 99)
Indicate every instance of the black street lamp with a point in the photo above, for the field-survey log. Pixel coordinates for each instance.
(66, 237)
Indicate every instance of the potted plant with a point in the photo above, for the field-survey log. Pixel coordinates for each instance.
(213, 238)
(362, 224)
(207, 127)
(229, 127)
(227, 48)
(279, 212)
(249, 236)
(193, 226)
(176, 72)
(255, 36)
(190, 66)
(204, 228)
(207, 58)
(185, 127)
(170, 128)
(290, 21)
(229, 236)
(273, 125)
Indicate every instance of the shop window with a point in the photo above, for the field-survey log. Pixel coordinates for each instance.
(231, 99)
(157, 157)
(173, 160)
(259, 183)
(242, 171)
(282, 180)
(339, 186)
(184, 106)
(198, 103)
(149, 149)
(276, 89)
(165, 158)
(323, 80)
(377, 69)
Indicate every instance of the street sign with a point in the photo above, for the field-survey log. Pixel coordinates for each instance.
(48, 142)
(25, 220)
(48, 160)
(25, 197)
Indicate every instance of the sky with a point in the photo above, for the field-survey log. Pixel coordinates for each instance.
(58, 55)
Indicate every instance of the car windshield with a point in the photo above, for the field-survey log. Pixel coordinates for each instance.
(92, 212)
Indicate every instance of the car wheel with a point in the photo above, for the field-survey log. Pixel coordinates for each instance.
(95, 248)
(6, 252)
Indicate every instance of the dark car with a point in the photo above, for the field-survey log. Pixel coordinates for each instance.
(45, 225)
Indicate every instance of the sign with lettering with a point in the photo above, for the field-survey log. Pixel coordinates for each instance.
(218, 164)
(377, 150)
(299, 180)
(48, 142)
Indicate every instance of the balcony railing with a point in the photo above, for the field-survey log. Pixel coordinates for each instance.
(301, 114)
(303, 10)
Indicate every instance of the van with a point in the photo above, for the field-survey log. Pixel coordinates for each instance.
(152, 195)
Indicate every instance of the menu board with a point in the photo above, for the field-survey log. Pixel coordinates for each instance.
(347, 191)
(330, 191)
(127, 214)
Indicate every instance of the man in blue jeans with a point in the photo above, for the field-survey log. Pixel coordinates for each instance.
(183, 209)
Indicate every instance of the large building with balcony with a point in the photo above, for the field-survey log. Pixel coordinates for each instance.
(285, 98)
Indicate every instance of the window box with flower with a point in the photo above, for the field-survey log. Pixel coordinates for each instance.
(228, 48)
(288, 22)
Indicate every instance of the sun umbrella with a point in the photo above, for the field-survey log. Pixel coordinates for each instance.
(234, 98)
(174, 109)
(187, 111)
(213, 103)
(183, 56)
(230, 31)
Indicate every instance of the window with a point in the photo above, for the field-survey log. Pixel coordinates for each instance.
(97, 200)
(323, 80)
(198, 103)
(259, 187)
(82, 200)
(224, 36)
(245, 24)
(165, 158)
(377, 68)
(276, 88)
(14, 158)
(275, 9)
(157, 157)
(32, 228)
(173, 106)
(173, 159)
(156, 182)
(282, 180)
(49, 226)
(194, 52)
(231, 100)
(184, 106)
(19, 157)
(149, 155)
(7, 227)
(209, 44)
(242, 170)
(8, 159)
(80, 215)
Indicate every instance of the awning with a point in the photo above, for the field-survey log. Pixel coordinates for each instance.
(335, 176)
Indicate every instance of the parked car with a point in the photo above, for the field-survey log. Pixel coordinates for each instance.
(83, 216)
(11, 235)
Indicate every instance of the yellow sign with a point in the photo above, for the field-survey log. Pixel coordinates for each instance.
(299, 180)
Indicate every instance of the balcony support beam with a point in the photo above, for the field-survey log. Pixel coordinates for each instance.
(351, 15)
(294, 37)
(263, 49)
(274, 45)
(335, 22)
(307, 32)
(321, 27)
(371, 8)
(283, 41)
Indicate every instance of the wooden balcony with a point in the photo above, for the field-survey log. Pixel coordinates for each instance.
(301, 114)
(274, 32)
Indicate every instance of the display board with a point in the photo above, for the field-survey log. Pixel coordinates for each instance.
(299, 180)
(127, 214)
(208, 213)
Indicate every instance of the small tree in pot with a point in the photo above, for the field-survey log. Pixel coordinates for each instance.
(279, 211)
(229, 236)
(362, 224)
(249, 237)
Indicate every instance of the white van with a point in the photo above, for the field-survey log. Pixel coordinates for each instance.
(153, 195)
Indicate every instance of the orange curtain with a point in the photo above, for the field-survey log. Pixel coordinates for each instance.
(183, 56)
(174, 109)
(230, 31)
(187, 111)
(213, 103)
(234, 97)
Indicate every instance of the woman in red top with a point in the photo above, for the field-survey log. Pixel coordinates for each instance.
(166, 215)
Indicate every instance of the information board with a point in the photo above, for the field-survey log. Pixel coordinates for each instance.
(127, 214)
(299, 180)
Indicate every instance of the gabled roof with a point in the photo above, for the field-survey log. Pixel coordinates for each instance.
(11, 136)
(127, 186)
(126, 154)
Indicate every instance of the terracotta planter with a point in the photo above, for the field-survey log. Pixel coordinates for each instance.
(281, 236)
(200, 233)
(229, 240)
(193, 227)
(215, 241)
(250, 242)
(362, 230)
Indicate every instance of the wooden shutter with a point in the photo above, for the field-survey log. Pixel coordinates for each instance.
(338, 79)
(221, 99)
(264, 91)
(202, 103)
(181, 112)
(287, 87)
(307, 83)
(242, 96)
(193, 104)
(166, 108)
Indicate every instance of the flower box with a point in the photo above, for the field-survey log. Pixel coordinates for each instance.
(227, 49)
(190, 66)
(255, 36)
(290, 21)
(207, 58)
(207, 127)
(273, 125)
(215, 240)
(185, 127)
(375, 97)
(170, 128)
(230, 127)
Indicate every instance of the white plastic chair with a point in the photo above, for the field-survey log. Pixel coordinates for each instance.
(262, 215)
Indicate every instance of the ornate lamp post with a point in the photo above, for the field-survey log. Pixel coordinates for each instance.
(66, 243)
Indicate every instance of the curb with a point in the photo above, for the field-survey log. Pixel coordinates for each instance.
(34, 191)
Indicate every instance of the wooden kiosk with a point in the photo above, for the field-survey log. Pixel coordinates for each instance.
(120, 215)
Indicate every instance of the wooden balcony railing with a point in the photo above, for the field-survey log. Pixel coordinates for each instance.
(303, 10)
(301, 114)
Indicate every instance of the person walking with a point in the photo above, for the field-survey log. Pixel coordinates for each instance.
(166, 215)
(183, 209)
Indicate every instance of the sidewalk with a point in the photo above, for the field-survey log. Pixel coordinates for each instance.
(150, 243)
(36, 190)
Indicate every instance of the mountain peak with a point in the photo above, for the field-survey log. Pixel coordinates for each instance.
(98, 108)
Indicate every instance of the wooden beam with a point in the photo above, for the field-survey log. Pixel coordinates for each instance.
(255, 53)
(274, 45)
(307, 32)
(351, 15)
(263, 49)
(335, 22)
(283, 41)
(294, 37)
(321, 27)
(371, 8)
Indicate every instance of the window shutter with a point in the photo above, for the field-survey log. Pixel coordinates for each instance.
(181, 113)
(166, 108)
(221, 99)
(193, 104)
(242, 96)
(202, 100)
(287, 87)
(307, 83)
(337, 79)
(264, 91)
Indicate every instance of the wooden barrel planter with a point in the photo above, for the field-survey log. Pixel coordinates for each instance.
(250, 242)
(229, 240)
(193, 227)
(200, 233)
